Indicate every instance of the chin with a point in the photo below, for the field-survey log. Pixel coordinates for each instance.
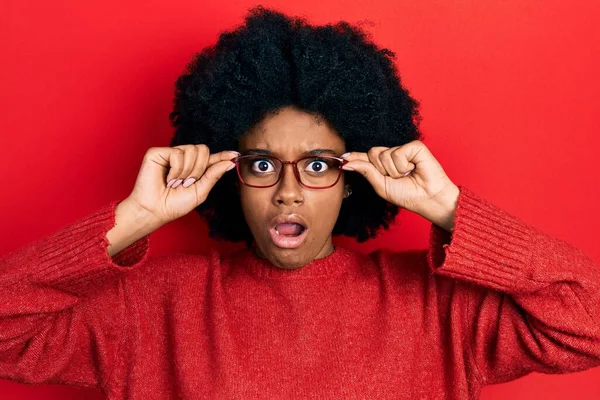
(287, 258)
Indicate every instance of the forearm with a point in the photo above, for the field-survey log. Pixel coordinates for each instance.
(532, 300)
(61, 302)
(131, 224)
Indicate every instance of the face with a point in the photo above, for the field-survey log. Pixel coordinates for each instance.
(291, 134)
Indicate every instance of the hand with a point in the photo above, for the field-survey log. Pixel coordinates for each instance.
(173, 181)
(410, 177)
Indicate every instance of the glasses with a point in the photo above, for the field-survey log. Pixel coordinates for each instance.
(314, 172)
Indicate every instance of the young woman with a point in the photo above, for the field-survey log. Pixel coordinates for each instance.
(287, 134)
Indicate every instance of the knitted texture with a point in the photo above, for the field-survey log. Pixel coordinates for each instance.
(488, 303)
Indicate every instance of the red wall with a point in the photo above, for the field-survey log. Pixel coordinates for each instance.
(509, 96)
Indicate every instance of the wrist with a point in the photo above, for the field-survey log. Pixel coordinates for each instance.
(442, 209)
(131, 224)
(136, 217)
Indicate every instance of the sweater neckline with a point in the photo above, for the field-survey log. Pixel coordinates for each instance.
(336, 263)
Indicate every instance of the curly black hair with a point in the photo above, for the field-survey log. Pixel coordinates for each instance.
(332, 71)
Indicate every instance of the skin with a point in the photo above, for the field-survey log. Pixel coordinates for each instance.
(289, 134)
(407, 176)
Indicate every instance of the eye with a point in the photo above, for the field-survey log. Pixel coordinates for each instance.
(262, 165)
(317, 165)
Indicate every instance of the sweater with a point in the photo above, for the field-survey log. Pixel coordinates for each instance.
(491, 301)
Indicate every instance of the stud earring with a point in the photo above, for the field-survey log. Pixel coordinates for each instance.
(348, 193)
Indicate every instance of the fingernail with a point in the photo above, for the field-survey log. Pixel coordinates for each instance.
(232, 166)
(348, 168)
(235, 152)
(188, 182)
(407, 173)
(177, 183)
(171, 182)
(345, 155)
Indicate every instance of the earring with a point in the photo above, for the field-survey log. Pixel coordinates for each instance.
(348, 193)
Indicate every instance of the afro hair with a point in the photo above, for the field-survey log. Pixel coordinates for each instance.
(333, 71)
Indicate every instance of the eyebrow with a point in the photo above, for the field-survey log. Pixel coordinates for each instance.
(313, 152)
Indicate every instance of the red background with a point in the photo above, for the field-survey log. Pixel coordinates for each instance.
(508, 90)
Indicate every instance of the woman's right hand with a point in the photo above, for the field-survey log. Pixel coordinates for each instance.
(173, 181)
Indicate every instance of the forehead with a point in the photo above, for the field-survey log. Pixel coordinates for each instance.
(292, 131)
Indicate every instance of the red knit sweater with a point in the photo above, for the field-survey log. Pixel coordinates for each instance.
(491, 302)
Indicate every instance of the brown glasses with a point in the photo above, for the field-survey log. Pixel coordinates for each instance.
(313, 172)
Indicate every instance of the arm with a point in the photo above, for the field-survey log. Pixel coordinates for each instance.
(61, 304)
(531, 302)
(130, 225)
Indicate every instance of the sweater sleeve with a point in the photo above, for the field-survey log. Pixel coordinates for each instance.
(62, 309)
(532, 302)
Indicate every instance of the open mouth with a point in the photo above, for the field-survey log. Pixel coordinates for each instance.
(289, 229)
(288, 234)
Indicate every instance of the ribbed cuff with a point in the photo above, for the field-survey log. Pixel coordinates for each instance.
(76, 259)
(487, 246)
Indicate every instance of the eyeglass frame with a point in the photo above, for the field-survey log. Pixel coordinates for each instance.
(296, 171)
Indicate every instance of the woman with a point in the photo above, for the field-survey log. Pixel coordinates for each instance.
(291, 315)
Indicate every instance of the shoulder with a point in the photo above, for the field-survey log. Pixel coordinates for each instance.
(405, 262)
(408, 268)
(169, 271)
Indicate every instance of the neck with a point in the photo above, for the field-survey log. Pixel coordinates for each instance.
(327, 249)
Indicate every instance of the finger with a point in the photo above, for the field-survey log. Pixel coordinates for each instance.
(415, 152)
(202, 163)
(374, 154)
(370, 172)
(198, 167)
(402, 164)
(355, 155)
(368, 157)
(401, 161)
(389, 163)
(213, 173)
(185, 167)
(174, 163)
(196, 159)
(205, 160)
(222, 156)
(189, 159)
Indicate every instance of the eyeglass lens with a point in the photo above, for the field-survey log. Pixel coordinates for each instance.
(260, 170)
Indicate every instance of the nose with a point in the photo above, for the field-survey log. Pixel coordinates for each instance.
(289, 191)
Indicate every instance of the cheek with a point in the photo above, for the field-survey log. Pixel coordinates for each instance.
(326, 210)
(254, 205)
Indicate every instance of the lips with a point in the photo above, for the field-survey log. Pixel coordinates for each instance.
(288, 231)
(288, 219)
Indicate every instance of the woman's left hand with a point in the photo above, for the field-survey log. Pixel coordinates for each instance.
(410, 177)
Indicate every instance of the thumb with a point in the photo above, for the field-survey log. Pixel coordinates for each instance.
(210, 178)
(368, 170)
